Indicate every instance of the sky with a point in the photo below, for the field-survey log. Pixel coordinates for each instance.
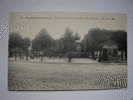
(29, 24)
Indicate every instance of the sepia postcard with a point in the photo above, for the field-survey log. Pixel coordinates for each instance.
(67, 51)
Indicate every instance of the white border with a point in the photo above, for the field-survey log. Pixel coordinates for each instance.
(115, 6)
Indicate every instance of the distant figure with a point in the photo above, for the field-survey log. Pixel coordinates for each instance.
(69, 59)
(69, 56)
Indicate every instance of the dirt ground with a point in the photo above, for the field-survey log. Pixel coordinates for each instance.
(66, 76)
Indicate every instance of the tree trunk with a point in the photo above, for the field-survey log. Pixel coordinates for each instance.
(15, 55)
(92, 54)
(122, 55)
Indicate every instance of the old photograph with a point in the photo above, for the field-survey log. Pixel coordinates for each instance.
(67, 51)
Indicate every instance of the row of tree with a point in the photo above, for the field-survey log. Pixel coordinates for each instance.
(18, 46)
(97, 38)
(44, 45)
